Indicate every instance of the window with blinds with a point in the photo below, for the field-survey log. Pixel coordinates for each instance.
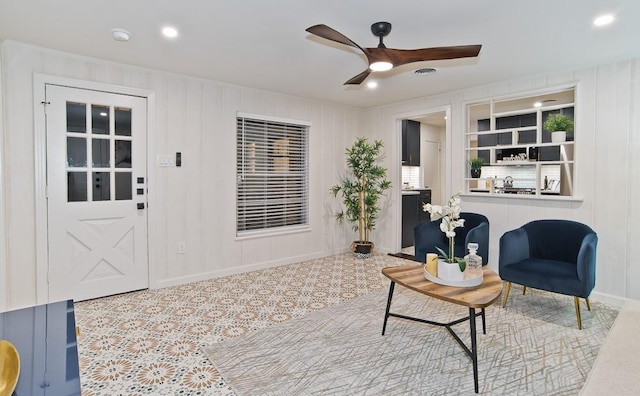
(272, 190)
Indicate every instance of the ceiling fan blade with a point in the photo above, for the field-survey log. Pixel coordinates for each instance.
(328, 33)
(359, 78)
(401, 57)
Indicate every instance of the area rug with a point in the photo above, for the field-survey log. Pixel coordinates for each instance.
(532, 347)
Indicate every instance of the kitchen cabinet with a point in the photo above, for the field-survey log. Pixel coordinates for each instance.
(409, 218)
(412, 213)
(509, 135)
(410, 143)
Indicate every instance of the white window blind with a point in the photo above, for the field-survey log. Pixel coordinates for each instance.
(272, 175)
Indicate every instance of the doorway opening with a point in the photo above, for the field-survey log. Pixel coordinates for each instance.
(423, 181)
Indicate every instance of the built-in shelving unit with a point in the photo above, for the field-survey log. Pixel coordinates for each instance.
(519, 154)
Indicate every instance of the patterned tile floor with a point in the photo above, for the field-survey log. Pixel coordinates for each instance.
(148, 342)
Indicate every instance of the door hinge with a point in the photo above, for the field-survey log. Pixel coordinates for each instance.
(44, 105)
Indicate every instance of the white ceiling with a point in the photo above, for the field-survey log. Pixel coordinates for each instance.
(263, 44)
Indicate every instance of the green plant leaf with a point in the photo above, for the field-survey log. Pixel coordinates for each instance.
(461, 263)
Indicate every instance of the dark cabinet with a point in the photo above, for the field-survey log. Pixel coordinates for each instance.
(423, 198)
(410, 143)
(409, 218)
(413, 214)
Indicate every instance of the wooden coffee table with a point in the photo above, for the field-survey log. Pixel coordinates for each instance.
(479, 297)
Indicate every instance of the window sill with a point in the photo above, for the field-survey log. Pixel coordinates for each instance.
(272, 232)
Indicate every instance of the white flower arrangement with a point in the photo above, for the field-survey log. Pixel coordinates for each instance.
(450, 221)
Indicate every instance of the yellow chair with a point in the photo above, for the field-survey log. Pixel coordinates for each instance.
(9, 368)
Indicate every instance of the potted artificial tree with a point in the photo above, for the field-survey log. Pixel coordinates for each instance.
(559, 125)
(361, 188)
(476, 166)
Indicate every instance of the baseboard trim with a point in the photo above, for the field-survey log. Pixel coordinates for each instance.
(233, 271)
(610, 299)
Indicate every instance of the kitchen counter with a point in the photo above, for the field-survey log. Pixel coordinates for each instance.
(414, 191)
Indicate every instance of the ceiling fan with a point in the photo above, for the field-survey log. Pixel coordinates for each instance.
(382, 58)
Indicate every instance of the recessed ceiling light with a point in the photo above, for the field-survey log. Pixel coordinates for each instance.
(120, 34)
(103, 114)
(603, 20)
(372, 84)
(169, 31)
(537, 104)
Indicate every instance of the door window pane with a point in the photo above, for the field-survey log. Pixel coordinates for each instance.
(100, 119)
(123, 121)
(76, 117)
(100, 153)
(123, 186)
(76, 186)
(123, 154)
(101, 186)
(76, 152)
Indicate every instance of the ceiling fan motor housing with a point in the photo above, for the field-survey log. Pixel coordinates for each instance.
(381, 29)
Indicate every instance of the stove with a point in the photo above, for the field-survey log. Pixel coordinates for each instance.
(515, 190)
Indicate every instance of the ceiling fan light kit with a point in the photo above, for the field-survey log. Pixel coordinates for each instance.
(381, 66)
(381, 58)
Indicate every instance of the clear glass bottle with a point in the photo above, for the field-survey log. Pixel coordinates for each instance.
(474, 262)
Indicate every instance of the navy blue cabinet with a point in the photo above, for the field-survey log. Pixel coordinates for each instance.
(410, 143)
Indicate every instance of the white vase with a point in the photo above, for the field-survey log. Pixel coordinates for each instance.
(449, 271)
(558, 136)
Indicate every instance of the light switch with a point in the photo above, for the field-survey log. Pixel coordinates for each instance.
(165, 160)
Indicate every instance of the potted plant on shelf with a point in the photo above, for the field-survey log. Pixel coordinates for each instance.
(361, 189)
(559, 124)
(476, 166)
(450, 267)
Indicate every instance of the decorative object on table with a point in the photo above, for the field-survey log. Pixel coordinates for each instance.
(450, 274)
(9, 367)
(431, 264)
(464, 282)
(450, 221)
(427, 236)
(553, 255)
(559, 124)
(476, 166)
(361, 189)
(474, 262)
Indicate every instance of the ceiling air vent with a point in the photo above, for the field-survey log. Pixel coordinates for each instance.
(425, 71)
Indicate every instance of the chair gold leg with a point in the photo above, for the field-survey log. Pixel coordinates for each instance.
(588, 305)
(576, 301)
(506, 295)
(524, 290)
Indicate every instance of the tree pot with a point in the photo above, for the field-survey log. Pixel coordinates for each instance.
(362, 249)
(475, 173)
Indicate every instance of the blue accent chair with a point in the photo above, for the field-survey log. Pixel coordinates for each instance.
(476, 229)
(553, 255)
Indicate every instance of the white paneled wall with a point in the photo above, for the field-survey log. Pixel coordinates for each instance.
(607, 173)
(194, 203)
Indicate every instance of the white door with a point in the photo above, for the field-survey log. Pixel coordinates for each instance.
(96, 188)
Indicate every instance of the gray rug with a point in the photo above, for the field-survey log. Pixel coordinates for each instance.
(533, 347)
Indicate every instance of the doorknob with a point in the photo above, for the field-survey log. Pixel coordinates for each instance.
(140, 205)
